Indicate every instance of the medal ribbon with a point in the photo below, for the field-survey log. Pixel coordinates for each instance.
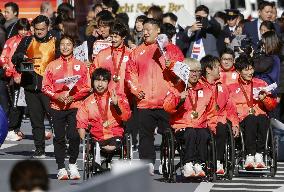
(194, 105)
(100, 106)
(117, 67)
(249, 100)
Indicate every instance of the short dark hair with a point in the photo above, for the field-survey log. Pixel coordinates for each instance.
(111, 4)
(23, 23)
(141, 18)
(2, 19)
(40, 19)
(65, 9)
(119, 29)
(156, 12)
(123, 18)
(229, 52)
(28, 175)
(202, 8)
(168, 29)
(268, 24)
(208, 61)
(68, 37)
(263, 4)
(105, 18)
(93, 8)
(243, 62)
(172, 16)
(100, 72)
(153, 22)
(14, 7)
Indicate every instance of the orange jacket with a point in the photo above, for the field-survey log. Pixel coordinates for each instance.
(59, 69)
(226, 108)
(89, 114)
(146, 72)
(181, 117)
(6, 56)
(228, 77)
(104, 59)
(260, 107)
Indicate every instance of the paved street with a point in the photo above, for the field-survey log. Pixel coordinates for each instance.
(11, 152)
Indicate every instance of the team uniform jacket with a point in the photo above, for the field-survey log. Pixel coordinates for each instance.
(226, 108)
(6, 56)
(260, 107)
(228, 77)
(181, 117)
(146, 71)
(89, 115)
(104, 60)
(59, 69)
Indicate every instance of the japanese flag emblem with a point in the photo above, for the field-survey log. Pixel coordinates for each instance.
(77, 67)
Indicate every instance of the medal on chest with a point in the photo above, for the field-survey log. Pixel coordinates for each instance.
(117, 66)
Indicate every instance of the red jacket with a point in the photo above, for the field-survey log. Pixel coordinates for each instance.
(226, 108)
(104, 59)
(6, 56)
(228, 77)
(59, 69)
(181, 117)
(260, 107)
(146, 72)
(89, 114)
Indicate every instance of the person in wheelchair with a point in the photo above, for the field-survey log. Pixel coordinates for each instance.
(252, 111)
(223, 108)
(104, 111)
(188, 117)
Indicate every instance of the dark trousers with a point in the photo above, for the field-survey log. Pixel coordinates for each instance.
(195, 144)
(131, 125)
(221, 137)
(38, 106)
(4, 96)
(15, 112)
(148, 120)
(255, 130)
(65, 126)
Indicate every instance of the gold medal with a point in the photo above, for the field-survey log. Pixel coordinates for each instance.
(105, 124)
(194, 114)
(116, 78)
(251, 111)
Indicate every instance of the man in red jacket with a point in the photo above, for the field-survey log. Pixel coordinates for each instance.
(252, 110)
(228, 73)
(148, 79)
(223, 108)
(188, 117)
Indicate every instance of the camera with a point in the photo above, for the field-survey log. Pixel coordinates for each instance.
(26, 67)
(203, 20)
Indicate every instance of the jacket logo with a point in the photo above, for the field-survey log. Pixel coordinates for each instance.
(125, 59)
(220, 88)
(234, 75)
(15, 45)
(200, 93)
(58, 67)
(108, 57)
(94, 101)
(5, 46)
(77, 67)
(238, 90)
(142, 52)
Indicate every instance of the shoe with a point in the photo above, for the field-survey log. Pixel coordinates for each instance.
(38, 154)
(12, 136)
(198, 170)
(188, 170)
(151, 169)
(220, 169)
(47, 135)
(259, 161)
(74, 173)
(62, 174)
(249, 163)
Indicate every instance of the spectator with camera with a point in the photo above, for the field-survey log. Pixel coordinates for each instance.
(203, 34)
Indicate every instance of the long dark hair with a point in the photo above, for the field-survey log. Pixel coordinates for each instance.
(272, 43)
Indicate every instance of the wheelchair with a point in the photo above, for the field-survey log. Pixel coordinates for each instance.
(91, 167)
(170, 145)
(269, 156)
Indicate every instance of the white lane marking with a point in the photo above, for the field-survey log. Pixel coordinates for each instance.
(241, 188)
(232, 184)
(4, 146)
(204, 187)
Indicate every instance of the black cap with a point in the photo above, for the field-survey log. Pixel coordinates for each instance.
(232, 13)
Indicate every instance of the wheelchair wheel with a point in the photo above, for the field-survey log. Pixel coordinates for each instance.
(127, 151)
(211, 163)
(271, 152)
(167, 156)
(87, 159)
(229, 154)
(239, 153)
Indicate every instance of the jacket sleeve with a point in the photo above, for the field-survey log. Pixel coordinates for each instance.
(131, 76)
(171, 102)
(124, 108)
(85, 86)
(174, 54)
(232, 114)
(47, 84)
(18, 56)
(83, 116)
(269, 102)
(4, 56)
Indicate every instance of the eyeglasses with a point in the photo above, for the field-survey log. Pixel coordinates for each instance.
(227, 59)
(195, 71)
